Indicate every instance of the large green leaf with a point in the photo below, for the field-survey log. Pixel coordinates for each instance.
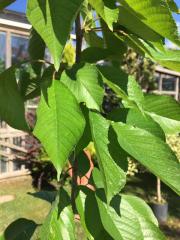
(93, 40)
(163, 56)
(122, 84)
(173, 6)
(150, 151)
(114, 75)
(5, 3)
(107, 10)
(156, 15)
(167, 58)
(20, 229)
(128, 218)
(148, 222)
(113, 175)
(28, 82)
(117, 80)
(120, 226)
(165, 111)
(84, 81)
(86, 137)
(59, 224)
(95, 54)
(48, 196)
(60, 123)
(53, 21)
(134, 92)
(88, 211)
(142, 120)
(36, 42)
(115, 46)
(129, 20)
(11, 104)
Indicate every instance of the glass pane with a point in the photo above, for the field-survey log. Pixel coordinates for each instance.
(2, 50)
(16, 165)
(17, 141)
(168, 84)
(19, 46)
(3, 165)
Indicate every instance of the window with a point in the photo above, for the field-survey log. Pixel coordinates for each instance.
(2, 124)
(17, 165)
(17, 141)
(19, 48)
(169, 84)
(3, 165)
(2, 50)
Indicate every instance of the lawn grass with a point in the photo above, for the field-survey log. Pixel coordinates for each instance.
(23, 206)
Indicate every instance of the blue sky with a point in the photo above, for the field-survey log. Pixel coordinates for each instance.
(20, 6)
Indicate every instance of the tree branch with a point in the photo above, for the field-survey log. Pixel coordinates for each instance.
(79, 37)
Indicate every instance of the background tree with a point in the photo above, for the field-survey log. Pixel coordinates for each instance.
(141, 68)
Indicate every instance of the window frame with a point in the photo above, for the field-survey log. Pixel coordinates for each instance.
(10, 32)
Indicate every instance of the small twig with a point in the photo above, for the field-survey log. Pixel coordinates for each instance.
(74, 183)
(99, 29)
(79, 37)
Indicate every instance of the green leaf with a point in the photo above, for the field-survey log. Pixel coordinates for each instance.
(59, 223)
(97, 178)
(11, 105)
(173, 6)
(114, 177)
(116, 79)
(36, 42)
(148, 222)
(120, 226)
(114, 75)
(141, 208)
(84, 81)
(48, 196)
(29, 87)
(59, 117)
(166, 58)
(117, 46)
(122, 84)
(20, 229)
(165, 111)
(150, 151)
(128, 19)
(5, 3)
(93, 40)
(107, 10)
(156, 15)
(53, 21)
(88, 211)
(134, 92)
(95, 54)
(137, 119)
(128, 218)
(86, 137)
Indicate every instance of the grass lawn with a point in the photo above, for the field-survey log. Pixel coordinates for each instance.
(26, 206)
(23, 206)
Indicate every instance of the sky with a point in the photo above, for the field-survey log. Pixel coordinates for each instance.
(18, 5)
